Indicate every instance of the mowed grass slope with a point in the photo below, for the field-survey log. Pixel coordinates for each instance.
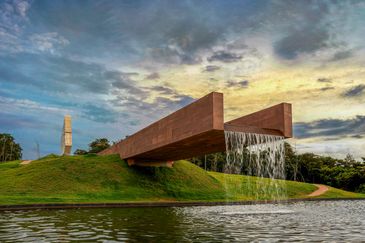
(105, 179)
(92, 178)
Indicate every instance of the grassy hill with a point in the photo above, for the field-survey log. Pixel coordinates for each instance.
(91, 178)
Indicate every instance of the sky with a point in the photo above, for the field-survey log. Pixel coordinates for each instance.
(117, 66)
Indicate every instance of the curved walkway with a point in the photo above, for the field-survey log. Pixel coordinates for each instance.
(25, 162)
(321, 189)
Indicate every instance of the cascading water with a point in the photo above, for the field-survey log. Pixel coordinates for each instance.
(257, 155)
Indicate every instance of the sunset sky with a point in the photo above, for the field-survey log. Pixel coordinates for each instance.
(117, 66)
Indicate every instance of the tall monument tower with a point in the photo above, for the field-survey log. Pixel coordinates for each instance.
(66, 138)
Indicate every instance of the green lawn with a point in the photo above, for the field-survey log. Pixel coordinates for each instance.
(91, 178)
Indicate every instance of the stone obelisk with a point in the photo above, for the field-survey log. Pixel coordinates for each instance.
(66, 139)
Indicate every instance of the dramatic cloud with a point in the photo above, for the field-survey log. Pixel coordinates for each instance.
(211, 68)
(66, 75)
(171, 104)
(330, 128)
(342, 55)
(122, 82)
(163, 90)
(308, 27)
(324, 80)
(327, 88)
(158, 108)
(153, 76)
(355, 91)
(223, 56)
(116, 66)
(302, 41)
(237, 84)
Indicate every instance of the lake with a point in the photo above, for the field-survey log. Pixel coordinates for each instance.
(301, 221)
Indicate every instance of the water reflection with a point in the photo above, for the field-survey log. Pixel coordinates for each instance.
(328, 221)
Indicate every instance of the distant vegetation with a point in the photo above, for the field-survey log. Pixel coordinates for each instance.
(95, 147)
(347, 173)
(9, 149)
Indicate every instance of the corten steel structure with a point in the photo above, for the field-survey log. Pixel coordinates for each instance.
(66, 138)
(197, 129)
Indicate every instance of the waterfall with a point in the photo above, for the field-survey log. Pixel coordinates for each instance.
(258, 155)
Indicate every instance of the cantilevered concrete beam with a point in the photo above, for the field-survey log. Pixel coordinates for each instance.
(275, 120)
(195, 130)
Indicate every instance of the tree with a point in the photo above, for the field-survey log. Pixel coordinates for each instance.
(80, 152)
(99, 145)
(349, 160)
(9, 149)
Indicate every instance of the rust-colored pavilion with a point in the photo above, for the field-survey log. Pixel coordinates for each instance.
(195, 130)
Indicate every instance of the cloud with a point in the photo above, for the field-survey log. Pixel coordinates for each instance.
(168, 105)
(14, 35)
(153, 76)
(304, 28)
(161, 36)
(13, 17)
(122, 82)
(340, 55)
(84, 88)
(327, 88)
(67, 55)
(324, 80)
(14, 121)
(182, 100)
(163, 90)
(358, 136)
(48, 41)
(146, 103)
(66, 76)
(302, 41)
(171, 55)
(21, 7)
(224, 56)
(21, 105)
(99, 113)
(330, 127)
(237, 84)
(166, 101)
(354, 91)
(211, 68)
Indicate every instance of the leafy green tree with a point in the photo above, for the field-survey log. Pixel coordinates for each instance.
(210, 162)
(361, 188)
(9, 149)
(80, 152)
(98, 145)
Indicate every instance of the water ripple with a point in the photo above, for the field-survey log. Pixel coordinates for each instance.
(303, 221)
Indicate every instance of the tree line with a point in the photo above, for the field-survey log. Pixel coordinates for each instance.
(9, 149)
(347, 173)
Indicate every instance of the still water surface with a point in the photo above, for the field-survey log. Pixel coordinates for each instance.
(304, 221)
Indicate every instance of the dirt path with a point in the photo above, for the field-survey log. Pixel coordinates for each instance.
(25, 162)
(321, 189)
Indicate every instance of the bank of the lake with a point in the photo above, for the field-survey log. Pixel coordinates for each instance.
(107, 179)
